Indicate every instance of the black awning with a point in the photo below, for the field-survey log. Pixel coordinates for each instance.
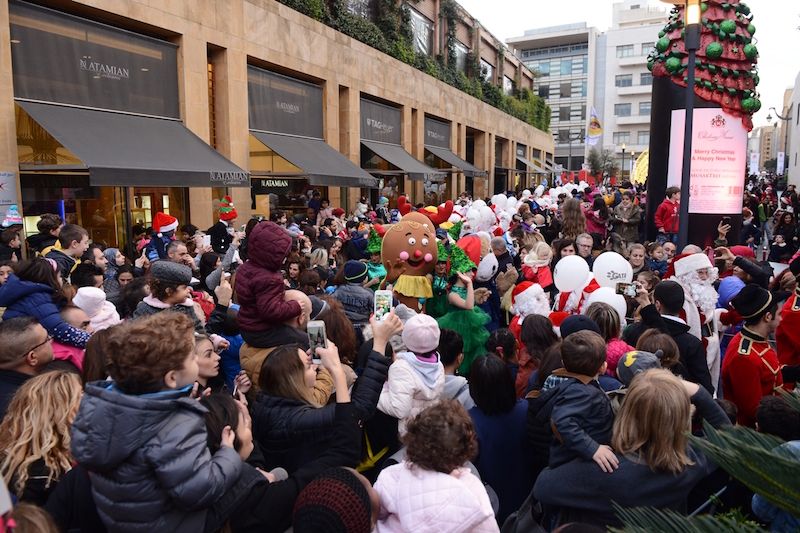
(470, 170)
(537, 169)
(318, 159)
(134, 151)
(397, 156)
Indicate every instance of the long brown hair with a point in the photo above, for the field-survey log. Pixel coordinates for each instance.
(574, 219)
(653, 421)
(40, 270)
(282, 376)
(339, 328)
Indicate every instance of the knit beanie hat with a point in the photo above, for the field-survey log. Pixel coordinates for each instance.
(635, 362)
(336, 502)
(12, 217)
(163, 223)
(355, 271)
(90, 299)
(575, 323)
(226, 209)
(172, 273)
(375, 242)
(338, 212)
(421, 334)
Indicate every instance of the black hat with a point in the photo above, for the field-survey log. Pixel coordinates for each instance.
(575, 323)
(753, 301)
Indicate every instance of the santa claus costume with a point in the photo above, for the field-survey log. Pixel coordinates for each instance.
(700, 304)
(526, 299)
(577, 301)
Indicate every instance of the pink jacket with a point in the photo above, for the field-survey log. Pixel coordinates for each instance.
(615, 350)
(62, 352)
(423, 501)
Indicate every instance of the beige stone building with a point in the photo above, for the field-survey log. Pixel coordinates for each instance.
(124, 108)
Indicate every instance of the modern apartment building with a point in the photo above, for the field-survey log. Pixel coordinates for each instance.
(793, 152)
(628, 82)
(564, 58)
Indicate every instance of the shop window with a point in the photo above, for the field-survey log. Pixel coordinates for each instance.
(544, 91)
(423, 33)
(488, 68)
(644, 137)
(461, 56)
(621, 137)
(646, 79)
(645, 107)
(212, 115)
(622, 110)
(508, 86)
(625, 80)
(624, 51)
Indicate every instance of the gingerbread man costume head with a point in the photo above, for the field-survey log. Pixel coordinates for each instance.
(411, 241)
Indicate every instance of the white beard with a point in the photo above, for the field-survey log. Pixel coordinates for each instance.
(702, 291)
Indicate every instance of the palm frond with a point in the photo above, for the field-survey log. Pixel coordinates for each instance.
(753, 459)
(649, 520)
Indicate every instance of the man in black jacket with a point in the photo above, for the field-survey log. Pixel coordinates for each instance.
(664, 316)
(25, 349)
(221, 232)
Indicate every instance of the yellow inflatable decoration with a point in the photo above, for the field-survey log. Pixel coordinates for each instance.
(641, 168)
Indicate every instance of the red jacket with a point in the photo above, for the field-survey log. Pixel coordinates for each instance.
(667, 215)
(259, 283)
(788, 333)
(750, 371)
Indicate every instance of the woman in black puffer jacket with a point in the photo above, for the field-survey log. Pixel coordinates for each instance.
(290, 427)
(540, 436)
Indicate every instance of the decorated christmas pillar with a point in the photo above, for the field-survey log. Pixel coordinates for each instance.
(726, 78)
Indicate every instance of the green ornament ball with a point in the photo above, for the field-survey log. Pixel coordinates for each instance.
(750, 51)
(673, 65)
(650, 65)
(662, 45)
(661, 34)
(703, 7)
(751, 29)
(728, 26)
(749, 104)
(714, 51)
(744, 8)
(758, 106)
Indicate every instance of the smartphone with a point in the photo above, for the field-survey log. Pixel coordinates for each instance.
(627, 289)
(206, 240)
(316, 339)
(726, 221)
(235, 390)
(383, 305)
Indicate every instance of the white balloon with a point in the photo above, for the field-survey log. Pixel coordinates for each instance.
(500, 200)
(609, 296)
(526, 193)
(511, 210)
(487, 215)
(477, 204)
(611, 268)
(539, 191)
(571, 273)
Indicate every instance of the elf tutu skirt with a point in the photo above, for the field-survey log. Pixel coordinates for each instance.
(471, 326)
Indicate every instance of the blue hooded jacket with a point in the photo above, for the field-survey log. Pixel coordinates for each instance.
(26, 298)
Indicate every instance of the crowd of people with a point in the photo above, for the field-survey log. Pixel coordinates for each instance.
(183, 390)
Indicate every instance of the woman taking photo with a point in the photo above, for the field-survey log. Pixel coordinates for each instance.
(657, 465)
(35, 435)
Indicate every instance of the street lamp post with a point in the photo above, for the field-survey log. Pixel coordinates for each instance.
(630, 165)
(786, 119)
(622, 170)
(692, 41)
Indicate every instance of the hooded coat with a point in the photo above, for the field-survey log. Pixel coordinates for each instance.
(413, 386)
(26, 298)
(259, 284)
(149, 461)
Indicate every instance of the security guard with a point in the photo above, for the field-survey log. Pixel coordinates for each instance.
(750, 369)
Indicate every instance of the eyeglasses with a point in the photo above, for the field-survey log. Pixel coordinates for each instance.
(48, 339)
(584, 246)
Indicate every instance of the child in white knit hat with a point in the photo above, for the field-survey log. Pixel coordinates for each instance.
(102, 313)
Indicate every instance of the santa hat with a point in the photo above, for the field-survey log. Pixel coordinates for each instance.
(471, 244)
(744, 251)
(164, 222)
(226, 209)
(685, 263)
(557, 317)
(529, 299)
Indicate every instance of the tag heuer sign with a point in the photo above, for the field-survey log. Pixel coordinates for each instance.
(229, 178)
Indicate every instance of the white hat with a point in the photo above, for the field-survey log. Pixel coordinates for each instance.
(690, 263)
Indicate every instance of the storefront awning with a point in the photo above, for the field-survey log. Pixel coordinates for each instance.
(123, 150)
(324, 165)
(397, 156)
(470, 170)
(537, 169)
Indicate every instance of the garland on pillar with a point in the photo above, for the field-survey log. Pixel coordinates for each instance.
(726, 71)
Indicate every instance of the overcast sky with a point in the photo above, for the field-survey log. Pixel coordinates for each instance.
(776, 24)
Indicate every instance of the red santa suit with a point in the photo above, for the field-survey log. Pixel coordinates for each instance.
(788, 333)
(576, 302)
(702, 321)
(526, 299)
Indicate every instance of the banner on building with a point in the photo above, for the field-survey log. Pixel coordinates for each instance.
(781, 163)
(8, 192)
(719, 152)
(754, 162)
(595, 129)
